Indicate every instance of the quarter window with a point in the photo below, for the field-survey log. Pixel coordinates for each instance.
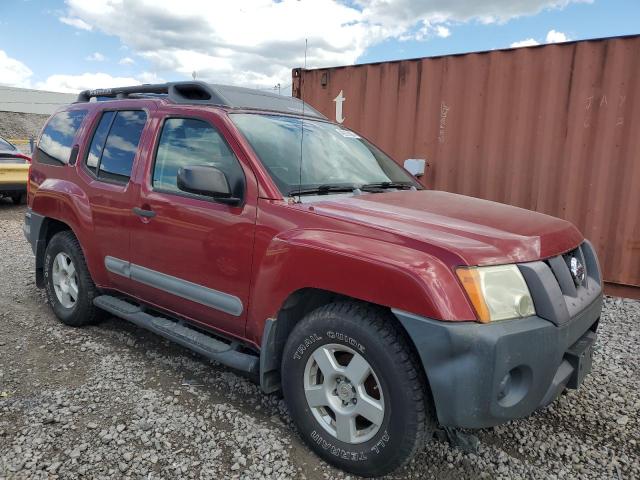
(54, 146)
(188, 141)
(114, 145)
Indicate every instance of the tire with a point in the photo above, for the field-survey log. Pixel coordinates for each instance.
(16, 198)
(76, 312)
(399, 417)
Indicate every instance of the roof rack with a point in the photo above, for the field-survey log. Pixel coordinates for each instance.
(201, 93)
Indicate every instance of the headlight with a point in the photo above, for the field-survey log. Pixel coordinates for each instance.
(497, 293)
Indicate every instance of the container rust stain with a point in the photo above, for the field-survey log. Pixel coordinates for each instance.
(554, 128)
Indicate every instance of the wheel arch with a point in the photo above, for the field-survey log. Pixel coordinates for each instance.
(48, 227)
(295, 307)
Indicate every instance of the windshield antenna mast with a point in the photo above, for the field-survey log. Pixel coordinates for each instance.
(302, 120)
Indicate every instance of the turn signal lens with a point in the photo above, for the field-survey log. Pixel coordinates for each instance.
(470, 279)
(497, 293)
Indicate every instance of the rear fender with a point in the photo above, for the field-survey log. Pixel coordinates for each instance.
(64, 201)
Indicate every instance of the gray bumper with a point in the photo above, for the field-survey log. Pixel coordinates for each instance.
(484, 375)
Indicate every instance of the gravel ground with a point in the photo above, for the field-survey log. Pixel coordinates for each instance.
(113, 401)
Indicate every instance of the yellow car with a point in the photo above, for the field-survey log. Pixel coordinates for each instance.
(14, 172)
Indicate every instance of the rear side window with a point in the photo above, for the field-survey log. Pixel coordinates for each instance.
(54, 146)
(188, 141)
(97, 144)
(114, 145)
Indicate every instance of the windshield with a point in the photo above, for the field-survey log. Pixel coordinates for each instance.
(332, 156)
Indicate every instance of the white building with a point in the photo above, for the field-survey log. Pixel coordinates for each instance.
(25, 100)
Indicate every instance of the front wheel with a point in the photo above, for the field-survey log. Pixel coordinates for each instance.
(355, 389)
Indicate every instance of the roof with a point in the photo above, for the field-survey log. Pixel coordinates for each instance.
(201, 93)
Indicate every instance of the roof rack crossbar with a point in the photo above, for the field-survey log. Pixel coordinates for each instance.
(179, 92)
(121, 92)
(197, 92)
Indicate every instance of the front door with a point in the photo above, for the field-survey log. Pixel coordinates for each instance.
(191, 255)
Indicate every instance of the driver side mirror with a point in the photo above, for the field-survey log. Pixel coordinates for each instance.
(208, 181)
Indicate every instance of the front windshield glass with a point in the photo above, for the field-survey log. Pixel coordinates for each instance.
(332, 156)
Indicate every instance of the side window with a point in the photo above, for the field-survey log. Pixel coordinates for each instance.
(54, 146)
(114, 145)
(97, 144)
(188, 141)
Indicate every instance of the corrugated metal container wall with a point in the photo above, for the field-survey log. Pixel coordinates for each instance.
(554, 128)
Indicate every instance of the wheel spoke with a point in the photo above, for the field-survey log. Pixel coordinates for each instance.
(370, 409)
(358, 370)
(62, 262)
(71, 269)
(316, 396)
(345, 427)
(73, 291)
(326, 361)
(65, 298)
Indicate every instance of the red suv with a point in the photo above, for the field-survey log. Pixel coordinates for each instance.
(249, 228)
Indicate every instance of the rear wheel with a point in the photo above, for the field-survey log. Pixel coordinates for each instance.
(70, 289)
(355, 390)
(16, 198)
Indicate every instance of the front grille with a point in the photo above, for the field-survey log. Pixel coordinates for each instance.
(561, 290)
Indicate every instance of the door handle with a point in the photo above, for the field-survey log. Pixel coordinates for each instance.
(141, 212)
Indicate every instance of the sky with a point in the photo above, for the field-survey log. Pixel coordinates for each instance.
(70, 45)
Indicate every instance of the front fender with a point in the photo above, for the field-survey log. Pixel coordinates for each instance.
(364, 268)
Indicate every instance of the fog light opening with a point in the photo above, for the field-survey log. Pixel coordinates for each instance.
(514, 386)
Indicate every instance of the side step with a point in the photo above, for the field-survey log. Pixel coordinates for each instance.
(180, 333)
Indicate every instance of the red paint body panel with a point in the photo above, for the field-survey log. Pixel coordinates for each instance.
(479, 232)
(397, 249)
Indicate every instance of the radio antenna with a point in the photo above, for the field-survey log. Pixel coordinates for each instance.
(302, 120)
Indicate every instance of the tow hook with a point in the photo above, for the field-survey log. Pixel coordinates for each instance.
(458, 439)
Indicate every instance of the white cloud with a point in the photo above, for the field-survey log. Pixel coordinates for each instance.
(96, 57)
(529, 42)
(552, 37)
(13, 72)
(180, 36)
(442, 31)
(75, 22)
(555, 37)
(126, 61)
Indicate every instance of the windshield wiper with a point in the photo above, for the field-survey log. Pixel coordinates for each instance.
(322, 190)
(384, 185)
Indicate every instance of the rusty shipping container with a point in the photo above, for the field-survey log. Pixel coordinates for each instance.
(553, 128)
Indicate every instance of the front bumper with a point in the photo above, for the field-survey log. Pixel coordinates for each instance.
(483, 375)
(467, 363)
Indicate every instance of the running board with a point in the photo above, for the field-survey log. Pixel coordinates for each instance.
(180, 333)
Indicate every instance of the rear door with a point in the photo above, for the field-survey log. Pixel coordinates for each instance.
(189, 254)
(106, 166)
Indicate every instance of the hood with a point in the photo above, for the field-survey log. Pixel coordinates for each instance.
(480, 232)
